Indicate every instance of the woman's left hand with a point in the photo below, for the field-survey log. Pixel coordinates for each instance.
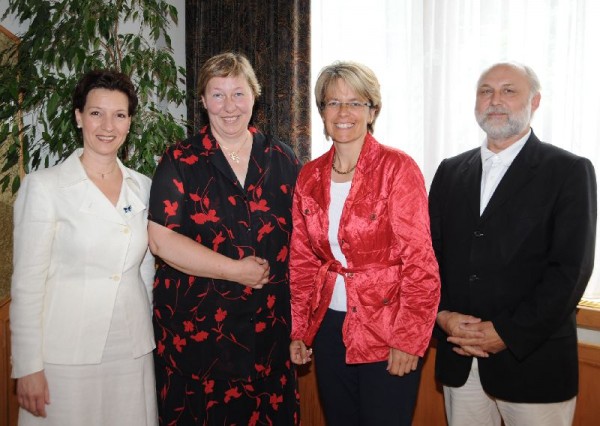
(401, 363)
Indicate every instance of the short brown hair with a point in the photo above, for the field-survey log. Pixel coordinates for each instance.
(104, 79)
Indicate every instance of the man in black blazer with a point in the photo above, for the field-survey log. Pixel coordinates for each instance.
(514, 228)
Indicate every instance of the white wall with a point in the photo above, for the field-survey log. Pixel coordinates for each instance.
(9, 23)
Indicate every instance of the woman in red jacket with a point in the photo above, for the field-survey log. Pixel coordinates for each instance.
(364, 279)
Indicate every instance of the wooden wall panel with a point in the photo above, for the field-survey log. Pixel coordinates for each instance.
(587, 412)
(429, 410)
(311, 413)
(8, 401)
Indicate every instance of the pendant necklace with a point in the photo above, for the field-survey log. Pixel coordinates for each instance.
(233, 155)
(100, 173)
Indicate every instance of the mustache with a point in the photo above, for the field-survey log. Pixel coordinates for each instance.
(495, 110)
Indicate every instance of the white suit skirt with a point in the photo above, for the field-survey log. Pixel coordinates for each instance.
(120, 391)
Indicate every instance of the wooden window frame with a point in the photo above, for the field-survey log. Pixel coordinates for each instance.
(588, 315)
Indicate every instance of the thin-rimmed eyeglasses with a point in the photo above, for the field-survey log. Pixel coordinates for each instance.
(352, 106)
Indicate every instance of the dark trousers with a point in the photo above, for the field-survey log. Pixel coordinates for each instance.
(359, 394)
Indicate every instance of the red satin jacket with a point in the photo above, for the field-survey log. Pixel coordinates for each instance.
(392, 279)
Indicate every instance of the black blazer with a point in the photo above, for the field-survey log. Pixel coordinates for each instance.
(523, 265)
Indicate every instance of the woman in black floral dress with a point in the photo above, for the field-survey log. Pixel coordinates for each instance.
(220, 224)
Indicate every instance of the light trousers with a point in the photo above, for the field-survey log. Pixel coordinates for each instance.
(471, 405)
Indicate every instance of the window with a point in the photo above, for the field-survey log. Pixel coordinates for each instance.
(428, 55)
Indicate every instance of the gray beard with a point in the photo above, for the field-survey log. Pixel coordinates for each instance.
(516, 123)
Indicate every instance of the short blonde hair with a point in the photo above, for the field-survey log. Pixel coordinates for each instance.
(358, 76)
(228, 64)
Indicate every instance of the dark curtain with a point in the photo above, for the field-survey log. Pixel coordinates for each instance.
(275, 36)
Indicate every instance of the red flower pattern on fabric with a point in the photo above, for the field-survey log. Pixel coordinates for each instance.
(222, 335)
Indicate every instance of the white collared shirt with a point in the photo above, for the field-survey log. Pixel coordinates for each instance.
(495, 166)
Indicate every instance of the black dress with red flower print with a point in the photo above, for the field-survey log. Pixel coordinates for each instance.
(222, 353)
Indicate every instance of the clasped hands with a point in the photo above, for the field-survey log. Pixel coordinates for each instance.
(472, 336)
(253, 272)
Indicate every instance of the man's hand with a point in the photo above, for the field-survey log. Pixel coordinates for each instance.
(489, 341)
(457, 326)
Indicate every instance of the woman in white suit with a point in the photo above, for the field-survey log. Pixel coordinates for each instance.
(81, 290)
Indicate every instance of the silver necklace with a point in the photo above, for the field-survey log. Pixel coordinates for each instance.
(102, 174)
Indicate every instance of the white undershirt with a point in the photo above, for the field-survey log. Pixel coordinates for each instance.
(339, 193)
(494, 167)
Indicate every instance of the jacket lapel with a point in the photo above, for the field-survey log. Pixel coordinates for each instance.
(368, 162)
(518, 174)
(320, 191)
(93, 202)
(471, 176)
(130, 200)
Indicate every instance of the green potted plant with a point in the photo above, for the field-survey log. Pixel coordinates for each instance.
(65, 39)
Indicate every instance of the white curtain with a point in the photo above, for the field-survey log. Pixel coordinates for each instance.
(428, 55)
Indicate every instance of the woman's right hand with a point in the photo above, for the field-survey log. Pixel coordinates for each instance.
(252, 272)
(33, 393)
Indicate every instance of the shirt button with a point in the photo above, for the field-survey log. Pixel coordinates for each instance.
(478, 234)
(473, 278)
(350, 274)
(386, 301)
(354, 309)
(115, 278)
(125, 230)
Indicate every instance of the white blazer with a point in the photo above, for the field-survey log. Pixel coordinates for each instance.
(72, 251)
